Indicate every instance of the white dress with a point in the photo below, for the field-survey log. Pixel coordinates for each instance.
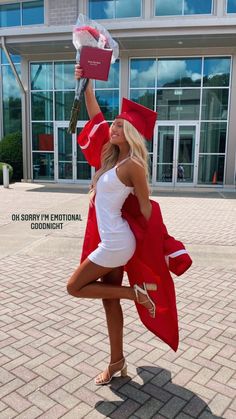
(118, 243)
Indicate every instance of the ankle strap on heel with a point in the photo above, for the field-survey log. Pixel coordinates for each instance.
(115, 363)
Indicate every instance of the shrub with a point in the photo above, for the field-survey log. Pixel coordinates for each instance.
(1, 172)
(11, 153)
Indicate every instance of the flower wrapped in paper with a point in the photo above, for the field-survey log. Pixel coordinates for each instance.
(88, 33)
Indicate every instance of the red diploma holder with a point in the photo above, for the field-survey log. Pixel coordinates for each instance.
(95, 62)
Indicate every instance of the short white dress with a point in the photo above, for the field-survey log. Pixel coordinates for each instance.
(118, 243)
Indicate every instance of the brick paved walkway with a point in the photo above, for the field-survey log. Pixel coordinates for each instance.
(52, 346)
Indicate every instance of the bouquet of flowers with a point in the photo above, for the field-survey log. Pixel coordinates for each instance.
(88, 33)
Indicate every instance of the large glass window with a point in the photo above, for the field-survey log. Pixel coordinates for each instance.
(43, 166)
(213, 137)
(22, 13)
(10, 15)
(178, 104)
(41, 76)
(211, 169)
(32, 12)
(107, 93)
(182, 7)
(179, 72)
(215, 104)
(231, 6)
(42, 106)
(143, 72)
(11, 95)
(216, 71)
(186, 89)
(145, 97)
(110, 9)
(52, 95)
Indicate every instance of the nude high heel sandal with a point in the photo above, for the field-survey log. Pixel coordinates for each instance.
(122, 372)
(144, 291)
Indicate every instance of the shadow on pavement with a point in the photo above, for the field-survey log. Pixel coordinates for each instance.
(156, 398)
(220, 194)
(63, 189)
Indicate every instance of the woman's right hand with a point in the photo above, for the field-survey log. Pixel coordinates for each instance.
(78, 72)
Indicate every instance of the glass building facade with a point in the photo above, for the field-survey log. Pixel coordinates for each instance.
(114, 9)
(22, 13)
(55, 152)
(183, 7)
(231, 6)
(191, 90)
(11, 95)
(186, 91)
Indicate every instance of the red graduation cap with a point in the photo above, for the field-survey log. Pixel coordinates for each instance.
(142, 118)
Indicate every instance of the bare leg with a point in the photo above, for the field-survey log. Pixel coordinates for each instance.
(83, 283)
(114, 317)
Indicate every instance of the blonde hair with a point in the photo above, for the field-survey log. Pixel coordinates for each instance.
(110, 153)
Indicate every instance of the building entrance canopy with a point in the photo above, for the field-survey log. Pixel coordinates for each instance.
(58, 39)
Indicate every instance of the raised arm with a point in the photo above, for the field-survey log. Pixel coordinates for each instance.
(95, 133)
(90, 99)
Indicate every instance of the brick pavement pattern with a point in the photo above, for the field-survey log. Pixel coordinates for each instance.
(52, 345)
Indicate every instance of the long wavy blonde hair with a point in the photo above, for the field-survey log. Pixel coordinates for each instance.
(110, 153)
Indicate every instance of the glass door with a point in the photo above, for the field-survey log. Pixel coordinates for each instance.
(65, 166)
(70, 164)
(186, 141)
(176, 154)
(165, 154)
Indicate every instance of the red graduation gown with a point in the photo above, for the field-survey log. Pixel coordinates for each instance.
(156, 252)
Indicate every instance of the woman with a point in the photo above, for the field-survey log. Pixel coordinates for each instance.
(124, 170)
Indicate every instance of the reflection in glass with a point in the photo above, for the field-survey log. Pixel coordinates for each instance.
(165, 154)
(185, 163)
(178, 104)
(101, 9)
(215, 104)
(142, 72)
(109, 9)
(168, 7)
(193, 7)
(109, 102)
(63, 104)
(231, 6)
(113, 79)
(42, 136)
(83, 168)
(42, 106)
(14, 58)
(41, 76)
(10, 15)
(213, 137)
(186, 7)
(216, 71)
(145, 97)
(184, 72)
(11, 100)
(32, 12)
(124, 8)
(64, 76)
(10, 86)
(43, 166)
(65, 170)
(211, 169)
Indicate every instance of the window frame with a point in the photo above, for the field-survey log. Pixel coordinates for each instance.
(183, 14)
(201, 87)
(20, 3)
(226, 9)
(114, 12)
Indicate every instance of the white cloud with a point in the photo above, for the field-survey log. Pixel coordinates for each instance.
(173, 70)
(145, 77)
